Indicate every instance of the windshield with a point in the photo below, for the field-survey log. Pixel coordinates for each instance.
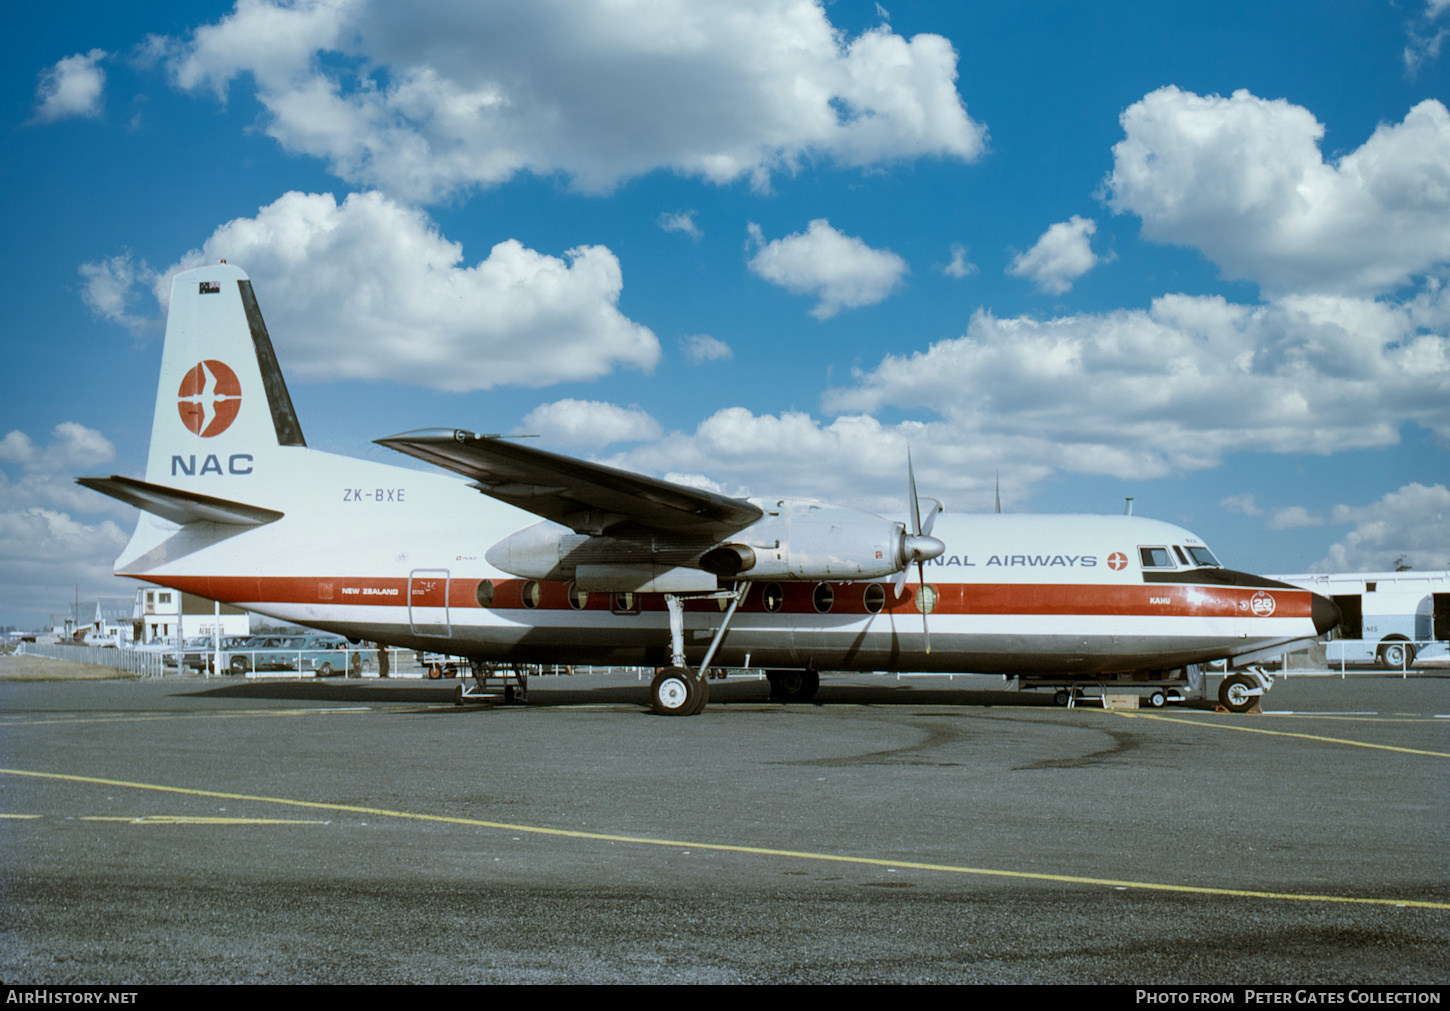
(1203, 556)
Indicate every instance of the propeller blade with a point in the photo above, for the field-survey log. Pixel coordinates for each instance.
(911, 495)
(936, 507)
(921, 592)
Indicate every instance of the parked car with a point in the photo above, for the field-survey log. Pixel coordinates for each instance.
(323, 655)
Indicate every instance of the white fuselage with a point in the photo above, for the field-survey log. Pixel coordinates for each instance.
(396, 555)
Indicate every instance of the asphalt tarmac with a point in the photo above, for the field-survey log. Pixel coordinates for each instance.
(187, 830)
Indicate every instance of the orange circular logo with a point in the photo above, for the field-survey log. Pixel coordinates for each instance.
(209, 398)
(1117, 561)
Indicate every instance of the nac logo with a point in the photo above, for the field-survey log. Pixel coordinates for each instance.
(209, 398)
(1117, 561)
(1262, 604)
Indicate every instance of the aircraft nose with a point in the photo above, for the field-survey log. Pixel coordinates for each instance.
(1325, 612)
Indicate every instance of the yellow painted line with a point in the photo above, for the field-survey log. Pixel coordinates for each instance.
(233, 714)
(177, 819)
(1284, 733)
(733, 848)
(19, 816)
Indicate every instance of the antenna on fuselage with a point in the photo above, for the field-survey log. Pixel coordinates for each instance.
(1127, 505)
(999, 491)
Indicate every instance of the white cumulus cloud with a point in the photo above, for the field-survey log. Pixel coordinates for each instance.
(683, 221)
(854, 459)
(841, 270)
(1137, 393)
(368, 289)
(701, 348)
(1243, 180)
(112, 286)
(73, 87)
(959, 266)
(1412, 521)
(1060, 257)
(432, 98)
(590, 423)
(45, 551)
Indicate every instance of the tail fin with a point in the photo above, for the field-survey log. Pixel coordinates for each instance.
(222, 407)
(225, 440)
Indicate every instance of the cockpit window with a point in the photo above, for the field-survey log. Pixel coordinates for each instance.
(1203, 556)
(1181, 556)
(1155, 558)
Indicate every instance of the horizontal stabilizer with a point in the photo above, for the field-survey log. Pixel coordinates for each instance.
(589, 498)
(180, 506)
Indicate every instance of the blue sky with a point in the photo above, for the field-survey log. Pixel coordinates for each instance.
(1194, 254)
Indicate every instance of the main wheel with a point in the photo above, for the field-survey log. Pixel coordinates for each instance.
(1396, 654)
(794, 685)
(676, 691)
(1157, 699)
(1236, 693)
(434, 672)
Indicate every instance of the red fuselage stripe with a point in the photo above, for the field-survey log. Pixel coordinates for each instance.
(1177, 600)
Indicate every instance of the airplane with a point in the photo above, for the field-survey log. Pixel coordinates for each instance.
(543, 558)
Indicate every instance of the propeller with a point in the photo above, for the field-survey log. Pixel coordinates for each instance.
(918, 545)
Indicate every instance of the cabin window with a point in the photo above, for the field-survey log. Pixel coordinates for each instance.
(1155, 558)
(531, 594)
(874, 597)
(823, 597)
(484, 593)
(926, 597)
(773, 597)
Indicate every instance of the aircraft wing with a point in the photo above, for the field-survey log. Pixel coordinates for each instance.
(589, 498)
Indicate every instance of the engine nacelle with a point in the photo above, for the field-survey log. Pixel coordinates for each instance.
(807, 540)
(796, 539)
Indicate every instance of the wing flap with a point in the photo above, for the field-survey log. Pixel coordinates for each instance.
(589, 498)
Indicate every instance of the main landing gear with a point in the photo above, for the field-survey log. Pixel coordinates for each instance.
(1240, 693)
(793, 685)
(677, 690)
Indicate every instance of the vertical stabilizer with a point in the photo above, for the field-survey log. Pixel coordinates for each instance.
(223, 414)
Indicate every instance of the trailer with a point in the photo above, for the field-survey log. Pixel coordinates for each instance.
(1391, 620)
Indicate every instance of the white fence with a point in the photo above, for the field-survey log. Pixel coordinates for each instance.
(143, 664)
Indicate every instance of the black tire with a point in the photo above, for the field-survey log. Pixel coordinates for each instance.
(1396, 653)
(1156, 699)
(324, 670)
(675, 691)
(794, 685)
(509, 694)
(1233, 693)
(1061, 697)
(240, 665)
